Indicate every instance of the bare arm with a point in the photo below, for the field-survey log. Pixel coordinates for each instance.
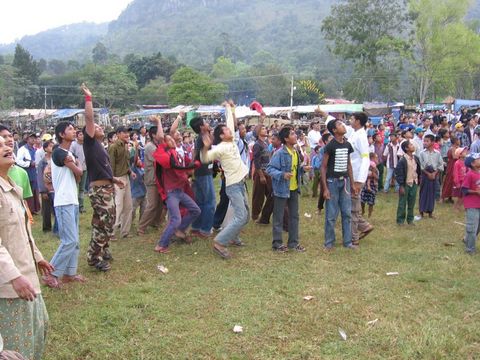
(160, 135)
(177, 121)
(89, 119)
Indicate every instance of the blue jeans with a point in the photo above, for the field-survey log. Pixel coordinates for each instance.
(237, 195)
(65, 259)
(388, 179)
(293, 220)
(176, 198)
(205, 197)
(340, 201)
(472, 221)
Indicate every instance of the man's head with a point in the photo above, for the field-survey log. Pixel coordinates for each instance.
(123, 134)
(360, 119)
(408, 147)
(428, 141)
(31, 139)
(48, 146)
(142, 130)
(7, 136)
(393, 137)
(152, 132)
(6, 155)
(222, 133)
(326, 138)
(79, 136)
(111, 137)
(275, 140)
(336, 127)
(65, 131)
(170, 142)
(261, 131)
(199, 125)
(242, 131)
(287, 136)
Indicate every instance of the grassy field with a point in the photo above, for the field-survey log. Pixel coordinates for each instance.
(431, 310)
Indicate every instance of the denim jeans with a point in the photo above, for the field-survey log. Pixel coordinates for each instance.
(340, 202)
(205, 197)
(176, 222)
(472, 220)
(237, 194)
(388, 179)
(293, 219)
(65, 259)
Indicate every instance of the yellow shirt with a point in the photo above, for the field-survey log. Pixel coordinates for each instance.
(293, 179)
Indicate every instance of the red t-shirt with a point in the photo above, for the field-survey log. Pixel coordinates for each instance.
(472, 182)
(172, 179)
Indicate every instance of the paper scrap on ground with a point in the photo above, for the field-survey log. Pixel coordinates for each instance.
(373, 322)
(162, 269)
(238, 329)
(459, 223)
(343, 334)
(417, 218)
(308, 298)
(393, 273)
(307, 215)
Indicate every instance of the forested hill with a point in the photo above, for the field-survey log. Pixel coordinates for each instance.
(196, 30)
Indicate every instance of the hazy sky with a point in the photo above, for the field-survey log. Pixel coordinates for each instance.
(28, 17)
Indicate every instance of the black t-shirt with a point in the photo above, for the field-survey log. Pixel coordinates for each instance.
(97, 159)
(204, 169)
(338, 154)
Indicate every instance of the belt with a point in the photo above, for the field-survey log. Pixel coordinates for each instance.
(101, 182)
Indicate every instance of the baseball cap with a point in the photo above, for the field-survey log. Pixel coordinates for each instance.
(458, 125)
(46, 137)
(419, 130)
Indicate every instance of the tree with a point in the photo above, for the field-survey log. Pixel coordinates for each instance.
(26, 67)
(99, 54)
(154, 93)
(150, 67)
(370, 35)
(190, 87)
(113, 85)
(446, 52)
(308, 92)
(57, 67)
(2, 60)
(272, 87)
(228, 49)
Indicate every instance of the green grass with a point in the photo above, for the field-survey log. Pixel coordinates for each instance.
(429, 311)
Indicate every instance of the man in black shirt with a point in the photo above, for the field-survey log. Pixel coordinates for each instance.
(203, 186)
(102, 191)
(337, 181)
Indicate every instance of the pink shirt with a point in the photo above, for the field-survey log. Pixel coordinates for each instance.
(459, 172)
(472, 182)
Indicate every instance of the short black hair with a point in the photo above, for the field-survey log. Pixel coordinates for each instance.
(325, 137)
(46, 143)
(152, 132)
(430, 137)
(405, 145)
(332, 124)
(110, 135)
(60, 129)
(217, 132)
(3, 127)
(284, 133)
(196, 123)
(362, 117)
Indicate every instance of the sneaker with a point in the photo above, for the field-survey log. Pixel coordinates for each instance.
(352, 247)
(298, 248)
(280, 249)
(238, 243)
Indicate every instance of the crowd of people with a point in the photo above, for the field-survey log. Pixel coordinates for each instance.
(168, 177)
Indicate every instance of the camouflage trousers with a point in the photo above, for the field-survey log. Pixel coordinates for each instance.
(102, 199)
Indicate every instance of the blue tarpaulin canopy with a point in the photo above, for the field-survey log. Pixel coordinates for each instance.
(66, 113)
(465, 103)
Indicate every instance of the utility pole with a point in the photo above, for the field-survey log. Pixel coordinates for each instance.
(291, 100)
(45, 105)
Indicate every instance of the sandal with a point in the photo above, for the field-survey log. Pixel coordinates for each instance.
(51, 281)
(75, 278)
(162, 250)
(223, 253)
(365, 233)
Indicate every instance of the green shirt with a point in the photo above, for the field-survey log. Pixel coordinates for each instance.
(119, 158)
(20, 178)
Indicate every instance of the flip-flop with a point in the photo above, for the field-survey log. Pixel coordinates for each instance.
(223, 253)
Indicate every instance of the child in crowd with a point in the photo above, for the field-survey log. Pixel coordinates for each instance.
(316, 164)
(337, 182)
(408, 175)
(369, 191)
(471, 201)
(326, 138)
(432, 164)
(138, 188)
(459, 172)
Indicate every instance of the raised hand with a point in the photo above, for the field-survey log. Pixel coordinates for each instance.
(85, 90)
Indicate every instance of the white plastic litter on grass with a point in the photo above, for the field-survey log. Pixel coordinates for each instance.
(343, 334)
(417, 218)
(237, 329)
(373, 322)
(162, 269)
(307, 215)
(308, 298)
(393, 273)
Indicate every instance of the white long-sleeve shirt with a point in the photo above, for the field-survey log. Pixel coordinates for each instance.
(23, 158)
(228, 154)
(360, 158)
